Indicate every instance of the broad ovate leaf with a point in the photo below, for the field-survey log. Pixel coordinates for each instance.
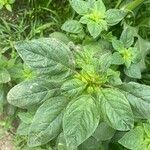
(133, 139)
(94, 29)
(32, 92)
(116, 109)
(114, 16)
(72, 26)
(4, 76)
(80, 121)
(80, 6)
(47, 122)
(47, 56)
(139, 97)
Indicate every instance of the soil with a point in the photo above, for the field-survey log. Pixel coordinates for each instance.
(6, 138)
(6, 142)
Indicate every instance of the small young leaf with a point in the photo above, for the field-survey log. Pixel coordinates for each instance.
(117, 59)
(94, 29)
(4, 76)
(114, 16)
(80, 6)
(133, 71)
(47, 122)
(139, 97)
(99, 6)
(127, 37)
(133, 139)
(73, 87)
(8, 7)
(72, 26)
(80, 121)
(117, 45)
(116, 109)
(33, 92)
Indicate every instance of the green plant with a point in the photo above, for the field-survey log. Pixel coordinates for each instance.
(85, 89)
(79, 99)
(6, 4)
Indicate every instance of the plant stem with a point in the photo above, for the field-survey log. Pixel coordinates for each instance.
(131, 6)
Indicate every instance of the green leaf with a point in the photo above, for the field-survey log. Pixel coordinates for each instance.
(8, 7)
(72, 26)
(90, 144)
(117, 59)
(73, 87)
(114, 16)
(23, 129)
(127, 36)
(33, 92)
(99, 6)
(2, 97)
(114, 77)
(80, 6)
(94, 29)
(60, 36)
(47, 122)
(47, 56)
(116, 109)
(147, 129)
(133, 71)
(133, 139)
(4, 76)
(80, 121)
(139, 97)
(103, 132)
(143, 47)
(25, 117)
(117, 45)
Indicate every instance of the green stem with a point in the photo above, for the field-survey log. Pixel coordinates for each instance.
(131, 6)
(118, 3)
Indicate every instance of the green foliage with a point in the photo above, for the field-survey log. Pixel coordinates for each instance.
(6, 4)
(87, 88)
